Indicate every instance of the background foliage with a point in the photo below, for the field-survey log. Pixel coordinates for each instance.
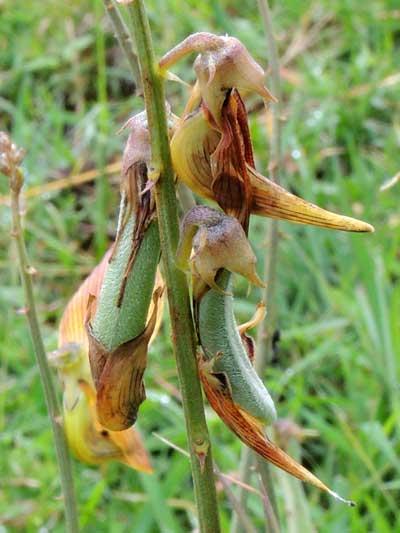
(65, 90)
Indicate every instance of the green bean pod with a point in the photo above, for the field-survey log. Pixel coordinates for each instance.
(118, 322)
(118, 326)
(223, 346)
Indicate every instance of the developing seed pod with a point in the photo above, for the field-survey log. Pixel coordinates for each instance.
(90, 441)
(231, 384)
(117, 328)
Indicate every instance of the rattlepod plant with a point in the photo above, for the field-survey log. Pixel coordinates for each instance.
(107, 327)
(212, 154)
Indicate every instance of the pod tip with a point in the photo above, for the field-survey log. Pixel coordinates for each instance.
(343, 500)
(371, 229)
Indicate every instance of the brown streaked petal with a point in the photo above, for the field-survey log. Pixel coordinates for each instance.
(251, 432)
(194, 149)
(231, 183)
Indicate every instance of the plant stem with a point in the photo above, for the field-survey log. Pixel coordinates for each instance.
(26, 271)
(177, 288)
(124, 38)
(266, 328)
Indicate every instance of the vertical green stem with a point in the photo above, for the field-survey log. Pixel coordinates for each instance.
(178, 293)
(266, 328)
(62, 452)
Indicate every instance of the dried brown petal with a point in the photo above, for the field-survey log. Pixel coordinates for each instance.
(118, 375)
(250, 430)
(198, 158)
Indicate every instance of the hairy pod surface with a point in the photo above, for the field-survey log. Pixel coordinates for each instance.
(126, 321)
(224, 350)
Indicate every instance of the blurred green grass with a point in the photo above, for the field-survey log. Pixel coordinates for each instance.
(65, 89)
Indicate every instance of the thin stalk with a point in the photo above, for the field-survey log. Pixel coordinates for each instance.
(53, 408)
(124, 39)
(177, 288)
(269, 500)
(266, 328)
(247, 526)
(102, 186)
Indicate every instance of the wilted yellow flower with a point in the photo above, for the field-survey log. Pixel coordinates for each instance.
(211, 148)
(218, 166)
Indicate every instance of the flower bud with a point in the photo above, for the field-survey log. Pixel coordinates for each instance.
(218, 241)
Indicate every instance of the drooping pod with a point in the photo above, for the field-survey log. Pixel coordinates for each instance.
(118, 326)
(90, 441)
(232, 386)
(230, 382)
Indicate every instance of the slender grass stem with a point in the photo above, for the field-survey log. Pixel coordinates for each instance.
(177, 288)
(266, 328)
(124, 38)
(102, 186)
(53, 407)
